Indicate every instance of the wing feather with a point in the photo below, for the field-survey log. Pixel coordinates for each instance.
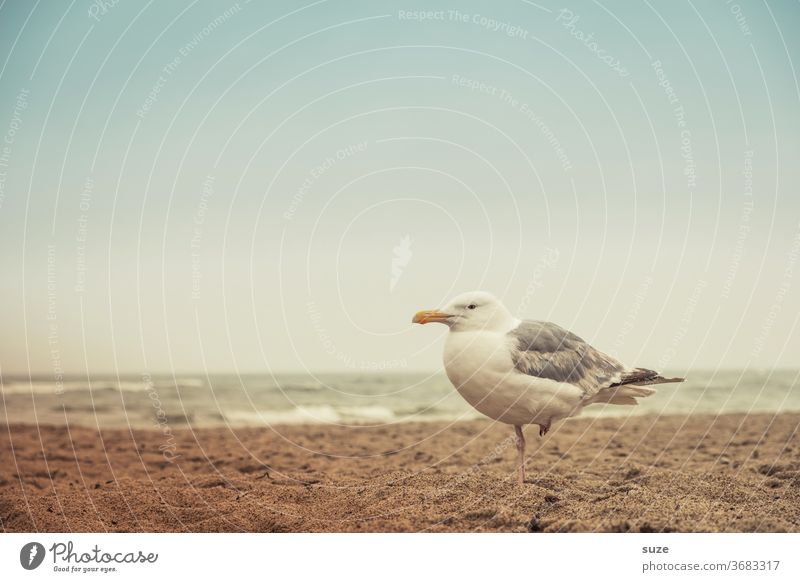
(546, 350)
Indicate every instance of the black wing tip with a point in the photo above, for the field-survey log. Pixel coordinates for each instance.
(644, 377)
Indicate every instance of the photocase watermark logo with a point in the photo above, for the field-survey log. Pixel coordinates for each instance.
(67, 558)
(401, 255)
(100, 8)
(569, 20)
(31, 555)
(547, 261)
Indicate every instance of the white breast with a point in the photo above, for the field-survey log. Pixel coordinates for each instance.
(480, 367)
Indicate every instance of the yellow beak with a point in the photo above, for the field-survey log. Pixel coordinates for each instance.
(430, 316)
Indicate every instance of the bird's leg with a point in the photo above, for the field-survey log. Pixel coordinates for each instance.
(520, 441)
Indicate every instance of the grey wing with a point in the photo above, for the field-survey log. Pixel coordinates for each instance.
(546, 350)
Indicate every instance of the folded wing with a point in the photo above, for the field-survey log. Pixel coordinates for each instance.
(546, 350)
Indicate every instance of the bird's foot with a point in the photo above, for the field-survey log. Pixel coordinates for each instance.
(543, 428)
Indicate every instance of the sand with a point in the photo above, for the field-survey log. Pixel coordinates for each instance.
(644, 474)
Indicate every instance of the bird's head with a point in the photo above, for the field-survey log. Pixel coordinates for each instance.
(473, 311)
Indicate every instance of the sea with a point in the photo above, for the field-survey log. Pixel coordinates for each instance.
(146, 400)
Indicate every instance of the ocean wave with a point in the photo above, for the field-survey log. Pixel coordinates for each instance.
(38, 387)
(367, 414)
(310, 387)
(52, 387)
(316, 414)
(298, 400)
(313, 414)
(188, 382)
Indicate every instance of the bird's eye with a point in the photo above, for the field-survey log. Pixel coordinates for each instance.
(471, 306)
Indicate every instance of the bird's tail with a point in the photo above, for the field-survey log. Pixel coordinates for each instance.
(631, 386)
(644, 377)
(621, 395)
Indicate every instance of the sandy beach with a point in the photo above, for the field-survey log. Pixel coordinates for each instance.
(643, 474)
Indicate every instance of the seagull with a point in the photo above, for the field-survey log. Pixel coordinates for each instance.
(522, 372)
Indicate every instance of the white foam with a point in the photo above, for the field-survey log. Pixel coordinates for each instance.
(367, 414)
(318, 414)
(313, 414)
(39, 387)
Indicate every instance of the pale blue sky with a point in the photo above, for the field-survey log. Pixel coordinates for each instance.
(521, 163)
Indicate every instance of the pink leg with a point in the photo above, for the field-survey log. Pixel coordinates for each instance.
(520, 441)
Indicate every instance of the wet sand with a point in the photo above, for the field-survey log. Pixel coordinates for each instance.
(644, 474)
